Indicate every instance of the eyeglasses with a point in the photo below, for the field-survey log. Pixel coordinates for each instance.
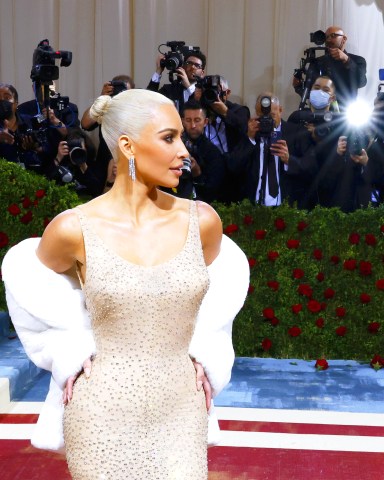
(188, 63)
(335, 35)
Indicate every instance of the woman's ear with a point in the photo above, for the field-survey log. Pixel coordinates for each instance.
(126, 146)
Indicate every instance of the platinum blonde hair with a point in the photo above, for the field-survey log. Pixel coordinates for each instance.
(125, 114)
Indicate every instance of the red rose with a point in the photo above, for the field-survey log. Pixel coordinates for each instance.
(317, 254)
(365, 268)
(320, 322)
(260, 234)
(329, 293)
(251, 289)
(14, 209)
(231, 229)
(297, 308)
(26, 218)
(305, 290)
(335, 259)
(268, 313)
(340, 312)
(293, 243)
(354, 238)
(350, 264)
(40, 193)
(266, 344)
(365, 298)
(341, 331)
(273, 285)
(26, 202)
(252, 262)
(321, 364)
(4, 240)
(46, 222)
(302, 226)
(274, 321)
(314, 306)
(373, 327)
(280, 224)
(380, 284)
(370, 239)
(320, 276)
(377, 362)
(272, 256)
(382, 229)
(323, 306)
(248, 220)
(298, 273)
(294, 331)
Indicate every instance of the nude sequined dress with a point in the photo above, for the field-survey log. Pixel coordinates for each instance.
(139, 416)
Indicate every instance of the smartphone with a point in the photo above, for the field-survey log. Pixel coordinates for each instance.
(275, 136)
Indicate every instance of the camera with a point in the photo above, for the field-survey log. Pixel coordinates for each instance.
(118, 87)
(6, 111)
(307, 66)
(325, 122)
(77, 153)
(266, 121)
(44, 69)
(211, 87)
(58, 102)
(175, 58)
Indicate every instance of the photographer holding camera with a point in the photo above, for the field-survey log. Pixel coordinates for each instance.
(62, 113)
(273, 162)
(227, 121)
(118, 84)
(347, 71)
(74, 164)
(208, 169)
(19, 143)
(185, 65)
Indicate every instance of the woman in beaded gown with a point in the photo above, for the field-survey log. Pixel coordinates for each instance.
(139, 411)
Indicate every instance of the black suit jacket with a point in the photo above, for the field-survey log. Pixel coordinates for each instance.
(174, 91)
(347, 77)
(244, 164)
(69, 116)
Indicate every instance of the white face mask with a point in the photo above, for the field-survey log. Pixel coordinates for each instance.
(319, 99)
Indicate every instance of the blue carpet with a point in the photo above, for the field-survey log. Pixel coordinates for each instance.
(346, 386)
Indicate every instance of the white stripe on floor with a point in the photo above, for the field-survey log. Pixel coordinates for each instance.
(21, 407)
(21, 431)
(320, 417)
(289, 441)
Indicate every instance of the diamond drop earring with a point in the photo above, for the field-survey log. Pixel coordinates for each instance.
(132, 169)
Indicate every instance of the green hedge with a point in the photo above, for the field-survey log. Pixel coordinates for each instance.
(317, 278)
(28, 202)
(317, 281)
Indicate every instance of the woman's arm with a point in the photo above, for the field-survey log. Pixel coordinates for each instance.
(62, 243)
(211, 231)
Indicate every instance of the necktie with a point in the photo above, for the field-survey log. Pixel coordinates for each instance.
(272, 177)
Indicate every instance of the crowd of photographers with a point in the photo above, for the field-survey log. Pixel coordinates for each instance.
(313, 158)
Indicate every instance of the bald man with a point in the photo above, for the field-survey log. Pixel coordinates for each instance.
(347, 71)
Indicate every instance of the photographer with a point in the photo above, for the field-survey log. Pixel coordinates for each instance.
(118, 84)
(183, 87)
(74, 164)
(228, 121)
(63, 114)
(208, 168)
(18, 141)
(347, 71)
(274, 161)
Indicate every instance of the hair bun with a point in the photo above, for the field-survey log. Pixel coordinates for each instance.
(100, 107)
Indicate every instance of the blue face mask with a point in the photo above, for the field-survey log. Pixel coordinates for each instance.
(319, 99)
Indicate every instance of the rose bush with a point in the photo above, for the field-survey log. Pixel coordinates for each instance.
(317, 282)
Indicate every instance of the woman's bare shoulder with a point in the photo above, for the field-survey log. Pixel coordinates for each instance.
(62, 242)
